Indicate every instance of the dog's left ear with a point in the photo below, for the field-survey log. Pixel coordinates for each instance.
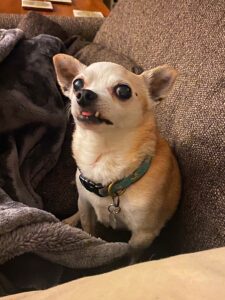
(66, 67)
(160, 81)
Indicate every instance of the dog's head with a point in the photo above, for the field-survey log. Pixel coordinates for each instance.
(106, 95)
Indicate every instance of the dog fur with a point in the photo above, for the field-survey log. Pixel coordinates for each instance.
(109, 152)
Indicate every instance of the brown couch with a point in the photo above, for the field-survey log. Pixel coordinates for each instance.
(190, 36)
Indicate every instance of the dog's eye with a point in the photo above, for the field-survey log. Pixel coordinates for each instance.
(78, 84)
(123, 91)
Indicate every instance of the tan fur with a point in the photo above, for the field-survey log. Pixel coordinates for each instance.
(107, 153)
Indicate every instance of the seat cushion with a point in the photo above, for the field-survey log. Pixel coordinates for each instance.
(95, 52)
(201, 274)
(190, 36)
(34, 24)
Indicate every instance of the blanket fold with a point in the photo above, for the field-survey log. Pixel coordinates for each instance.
(8, 40)
(26, 229)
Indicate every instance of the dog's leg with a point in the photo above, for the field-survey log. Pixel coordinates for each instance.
(139, 241)
(87, 216)
(73, 220)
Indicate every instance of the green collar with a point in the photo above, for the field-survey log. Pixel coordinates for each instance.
(116, 188)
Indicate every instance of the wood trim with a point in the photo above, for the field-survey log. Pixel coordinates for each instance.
(14, 6)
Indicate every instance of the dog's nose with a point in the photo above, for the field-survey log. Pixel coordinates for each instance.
(86, 97)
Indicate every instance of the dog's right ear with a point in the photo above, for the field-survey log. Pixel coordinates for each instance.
(160, 81)
(66, 67)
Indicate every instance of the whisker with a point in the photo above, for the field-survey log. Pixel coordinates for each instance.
(68, 110)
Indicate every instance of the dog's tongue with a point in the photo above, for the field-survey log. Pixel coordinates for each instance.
(86, 113)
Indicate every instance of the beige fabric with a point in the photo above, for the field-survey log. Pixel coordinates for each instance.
(93, 53)
(193, 276)
(190, 35)
(34, 24)
(87, 27)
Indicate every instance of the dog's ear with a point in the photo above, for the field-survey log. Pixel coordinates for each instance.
(160, 81)
(66, 67)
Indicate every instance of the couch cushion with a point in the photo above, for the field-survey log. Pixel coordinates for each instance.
(190, 36)
(34, 24)
(86, 27)
(201, 274)
(95, 52)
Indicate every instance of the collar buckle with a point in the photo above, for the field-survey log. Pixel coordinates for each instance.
(97, 189)
(117, 188)
(113, 192)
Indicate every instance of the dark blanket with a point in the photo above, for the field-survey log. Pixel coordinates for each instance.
(32, 127)
(32, 114)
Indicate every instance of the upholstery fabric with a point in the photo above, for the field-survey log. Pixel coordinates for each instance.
(190, 35)
(95, 52)
(34, 24)
(87, 27)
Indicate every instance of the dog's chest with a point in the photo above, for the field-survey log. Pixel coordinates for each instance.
(100, 161)
(101, 206)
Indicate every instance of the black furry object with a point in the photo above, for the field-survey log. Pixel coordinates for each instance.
(28, 89)
(32, 113)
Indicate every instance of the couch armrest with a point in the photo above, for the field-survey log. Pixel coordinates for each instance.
(191, 276)
(9, 20)
(86, 27)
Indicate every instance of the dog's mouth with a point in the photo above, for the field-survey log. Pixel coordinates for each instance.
(92, 118)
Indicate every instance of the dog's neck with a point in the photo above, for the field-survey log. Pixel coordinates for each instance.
(108, 157)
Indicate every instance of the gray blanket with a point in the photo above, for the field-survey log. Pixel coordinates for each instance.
(32, 129)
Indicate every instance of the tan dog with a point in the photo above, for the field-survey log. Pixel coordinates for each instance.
(127, 176)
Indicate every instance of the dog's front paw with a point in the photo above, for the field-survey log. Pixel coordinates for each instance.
(73, 220)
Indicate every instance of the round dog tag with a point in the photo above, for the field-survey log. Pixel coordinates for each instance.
(114, 209)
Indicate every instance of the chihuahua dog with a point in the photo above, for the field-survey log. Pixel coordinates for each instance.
(127, 176)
